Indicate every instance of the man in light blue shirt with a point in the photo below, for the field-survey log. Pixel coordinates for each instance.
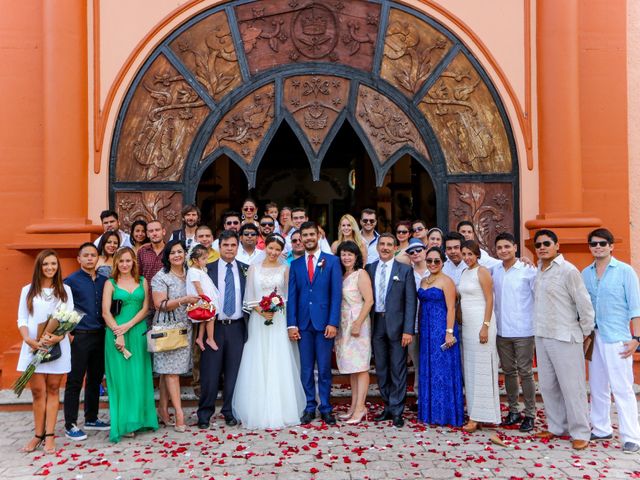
(614, 291)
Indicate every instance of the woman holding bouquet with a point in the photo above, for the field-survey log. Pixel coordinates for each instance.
(127, 362)
(38, 300)
(268, 392)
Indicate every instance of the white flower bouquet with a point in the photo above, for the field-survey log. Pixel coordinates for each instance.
(60, 322)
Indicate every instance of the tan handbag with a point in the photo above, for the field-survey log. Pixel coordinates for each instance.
(167, 337)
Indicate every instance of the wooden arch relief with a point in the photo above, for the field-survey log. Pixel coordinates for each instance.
(226, 79)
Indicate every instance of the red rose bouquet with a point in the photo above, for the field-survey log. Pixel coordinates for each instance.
(271, 303)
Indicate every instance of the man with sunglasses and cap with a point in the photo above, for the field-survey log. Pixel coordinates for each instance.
(613, 286)
(563, 319)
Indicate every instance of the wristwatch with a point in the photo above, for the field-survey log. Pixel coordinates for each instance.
(449, 330)
(636, 338)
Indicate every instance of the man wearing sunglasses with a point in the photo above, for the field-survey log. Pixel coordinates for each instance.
(368, 222)
(613, 286)
(231, 220)
(247, 251)
(267, 226)
(563, 318)
(297, 247)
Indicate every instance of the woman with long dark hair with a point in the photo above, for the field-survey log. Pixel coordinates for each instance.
(353, 342)
(38, 300)
(107, 248)
(138, 234)
(170, 298)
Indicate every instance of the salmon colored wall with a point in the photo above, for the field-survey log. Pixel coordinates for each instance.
(633, 126)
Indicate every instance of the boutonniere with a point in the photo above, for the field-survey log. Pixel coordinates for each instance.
(321, 263)
(244, 271)
(396, 278)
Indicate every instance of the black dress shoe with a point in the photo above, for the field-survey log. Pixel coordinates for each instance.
(230, 421)
(203, 426)
(413, 407)
(328, 418)
(385, 415)
(307, 417)
(398, 421)
(527, 424)
(511, 419)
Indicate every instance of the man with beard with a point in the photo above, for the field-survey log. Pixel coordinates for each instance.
(190, 222)
(267, 225)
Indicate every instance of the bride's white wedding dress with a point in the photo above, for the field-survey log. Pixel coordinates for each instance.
(268, 392)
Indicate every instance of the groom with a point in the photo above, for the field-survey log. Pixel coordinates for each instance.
(313, 316)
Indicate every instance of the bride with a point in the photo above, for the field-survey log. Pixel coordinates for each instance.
(268, 392)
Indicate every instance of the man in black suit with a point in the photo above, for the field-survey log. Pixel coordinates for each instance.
(229, 276)
(394, 294)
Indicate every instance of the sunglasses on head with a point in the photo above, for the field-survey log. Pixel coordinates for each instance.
(417, 229)
(403, 232)
(546, 243)
(267, 224)
(415, 250)
(368, 220)
(435, 261)
(600, 243)
(232, 222)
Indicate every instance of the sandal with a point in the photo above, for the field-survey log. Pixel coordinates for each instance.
(26, 449)
(49, 450)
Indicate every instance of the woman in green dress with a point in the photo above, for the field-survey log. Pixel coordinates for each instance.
(129, 378)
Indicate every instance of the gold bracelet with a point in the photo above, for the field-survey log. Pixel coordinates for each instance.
(488, 324)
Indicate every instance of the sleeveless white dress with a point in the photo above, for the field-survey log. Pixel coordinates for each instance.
(268, 392)
(480, 360)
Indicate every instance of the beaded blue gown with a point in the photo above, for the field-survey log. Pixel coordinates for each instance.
(440, 394)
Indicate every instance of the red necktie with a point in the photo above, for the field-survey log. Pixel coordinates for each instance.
(310, 267)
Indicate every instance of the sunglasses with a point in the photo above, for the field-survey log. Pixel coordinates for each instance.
(267, 224)
(296, 240)
(546, 243)
(417, 229)
(368, 220)
(250, 234)
(601, 243)
(434, 261)
(416, 250)
(249, 208)
(402, 232)
(232, 222)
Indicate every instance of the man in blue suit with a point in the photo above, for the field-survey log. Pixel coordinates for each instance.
(313, 316)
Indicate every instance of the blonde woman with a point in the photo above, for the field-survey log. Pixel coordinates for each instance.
(349, 231)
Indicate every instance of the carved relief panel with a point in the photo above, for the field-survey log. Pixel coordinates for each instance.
(412, 48)
(207, 50)
(488, 205)
(164, 206)
(466, 120)
(276, 32)
(243, 128)
(387, 127)
(160, 124)
(315, 101)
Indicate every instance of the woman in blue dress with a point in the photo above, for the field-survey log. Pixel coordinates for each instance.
(440, 395)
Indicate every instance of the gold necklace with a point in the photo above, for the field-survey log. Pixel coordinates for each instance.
(435, 277)
(181, 277)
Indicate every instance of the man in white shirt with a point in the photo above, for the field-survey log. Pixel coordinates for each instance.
(513, 287)
(368, 221)
(466, 229)
(248, 253)
(230, 221)
(110, 222)
(298, 217)
(454, 266)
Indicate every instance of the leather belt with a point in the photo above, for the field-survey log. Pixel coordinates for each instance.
(228, 321)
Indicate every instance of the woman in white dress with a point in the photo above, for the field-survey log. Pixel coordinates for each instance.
(268, 392)
(480, 356)
(41, 297)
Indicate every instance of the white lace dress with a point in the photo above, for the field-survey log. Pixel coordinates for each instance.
(268, 393)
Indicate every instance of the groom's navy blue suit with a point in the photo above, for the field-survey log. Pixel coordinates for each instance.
(312, 305)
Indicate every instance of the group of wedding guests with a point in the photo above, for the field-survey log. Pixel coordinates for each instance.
(438, 299)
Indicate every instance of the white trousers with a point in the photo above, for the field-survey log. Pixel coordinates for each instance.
(609, 373)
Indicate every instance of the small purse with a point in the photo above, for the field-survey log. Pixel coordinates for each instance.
(202, 310)
(167, 337)
(116, 307)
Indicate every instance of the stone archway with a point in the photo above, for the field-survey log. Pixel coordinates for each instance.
(223, 82)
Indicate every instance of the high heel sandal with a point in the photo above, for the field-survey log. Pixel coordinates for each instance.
(471, 426)
(40, 438)
(355, 418)
(49, 450)
(345, 416)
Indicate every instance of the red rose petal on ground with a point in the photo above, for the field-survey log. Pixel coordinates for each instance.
(313, 470)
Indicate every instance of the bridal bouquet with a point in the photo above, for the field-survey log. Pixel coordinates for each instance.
(60, 322)
(272, 303)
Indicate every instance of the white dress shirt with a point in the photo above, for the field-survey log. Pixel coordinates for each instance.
(222, 272)
(372, 248)
(513, 304)
(487, 260)
(316, 256)
(454, 271)
(380, 301)
(245, 257)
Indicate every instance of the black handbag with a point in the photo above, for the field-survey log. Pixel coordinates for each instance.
(116, 307)
(54, 354)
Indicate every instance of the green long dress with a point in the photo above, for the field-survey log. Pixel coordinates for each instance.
(129, 382)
